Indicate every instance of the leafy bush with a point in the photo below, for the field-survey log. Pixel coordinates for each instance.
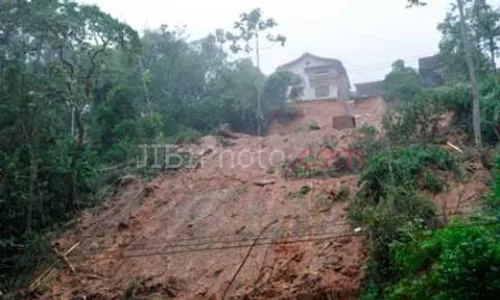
(458, 262)
(276, 87)
(458, 99)
(401, 167)
(388, 204)
(369, 144)
(186, 135)
(433, 183)
(494, 198)
(387, 222)
(415, 121)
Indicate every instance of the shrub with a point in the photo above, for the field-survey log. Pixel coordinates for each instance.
(186, 135)
(416, 121)
(369, 143)
(387, 222)
(388, 205)
(401, 167)
(494, 198)
(458, 262)
(433, 183)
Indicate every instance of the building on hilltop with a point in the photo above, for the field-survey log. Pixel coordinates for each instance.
(322, 78)
(428, 68)
(369, 89)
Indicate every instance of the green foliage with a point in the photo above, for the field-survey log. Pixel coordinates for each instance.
(186, 135)
(276, 88)
(494, 198)
(386, 222)
(420, 119)
(433, 183)
(458, 99)
(343, 193)
(402, 83)
(80, 92)
(415, 121)
(388, 204)
(401, 167)
(452, 52)
(369, 143)
(458, 262)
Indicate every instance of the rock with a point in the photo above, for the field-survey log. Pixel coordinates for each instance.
(344, 240)
(123, 225)
(264, 182)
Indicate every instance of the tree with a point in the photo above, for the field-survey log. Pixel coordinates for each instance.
(402, 83)
(279, 87)
(472, 75)
(486, 26)
(51, 55)
(80, 35)
(452, 50)
(416, 3)
(251, 26)
(463, 40)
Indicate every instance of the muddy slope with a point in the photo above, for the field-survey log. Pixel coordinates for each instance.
(186, 235)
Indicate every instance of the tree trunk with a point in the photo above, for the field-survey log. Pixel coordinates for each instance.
(31, 192)
(492, 47)
(145, 87)
(472, 75)
(80, 130)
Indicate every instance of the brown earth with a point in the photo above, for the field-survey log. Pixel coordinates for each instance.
(186, 235)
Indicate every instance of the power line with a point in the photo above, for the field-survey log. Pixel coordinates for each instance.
(263, 243)
(329, 223)
(283, 242)
(172, 243)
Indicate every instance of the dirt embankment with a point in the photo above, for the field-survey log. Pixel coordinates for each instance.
(186, 235)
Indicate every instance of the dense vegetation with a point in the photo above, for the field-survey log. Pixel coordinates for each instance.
(80, 91)
(415, 252)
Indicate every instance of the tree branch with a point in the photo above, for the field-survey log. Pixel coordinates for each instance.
(246, 257)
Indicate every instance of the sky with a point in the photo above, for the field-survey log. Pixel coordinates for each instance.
(366, 35)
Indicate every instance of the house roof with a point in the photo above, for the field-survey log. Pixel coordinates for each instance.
(337, 64)
(374, 88)
(428, 63)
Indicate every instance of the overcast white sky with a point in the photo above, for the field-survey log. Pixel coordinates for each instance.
(366, 35)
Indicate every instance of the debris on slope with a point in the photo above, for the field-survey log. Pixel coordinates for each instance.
(185, 234)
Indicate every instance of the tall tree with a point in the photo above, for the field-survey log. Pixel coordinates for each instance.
(486, 24)
(249, 28)
(81, 35)
(402, 83)
(472, 74)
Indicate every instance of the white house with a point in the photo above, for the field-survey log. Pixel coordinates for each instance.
(322, 78)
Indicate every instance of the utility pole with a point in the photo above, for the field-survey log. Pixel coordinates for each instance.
(249, 25)
(470, 66)
(259, 100)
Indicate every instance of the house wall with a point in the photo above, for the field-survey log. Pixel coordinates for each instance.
(338, 88)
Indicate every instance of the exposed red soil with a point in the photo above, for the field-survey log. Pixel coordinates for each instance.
(187, 234)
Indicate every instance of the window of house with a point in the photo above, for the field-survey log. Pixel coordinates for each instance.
(321, 91)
